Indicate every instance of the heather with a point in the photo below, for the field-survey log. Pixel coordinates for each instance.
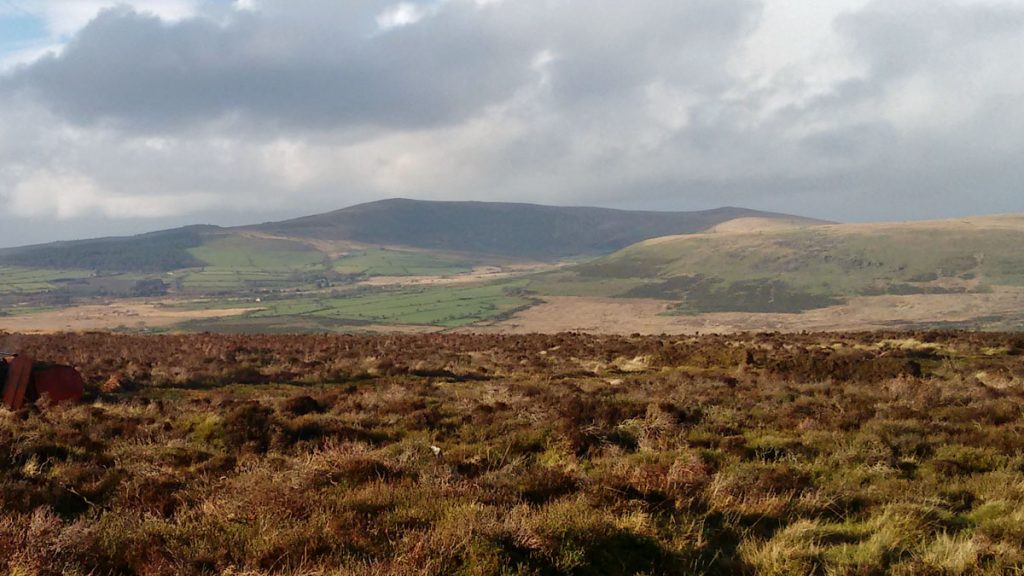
(870, 453)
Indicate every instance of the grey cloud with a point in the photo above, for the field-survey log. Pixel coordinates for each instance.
(276, 69)
(851, 142)
(623, 45)
(929, 123)
(322, 64)
(900, 38)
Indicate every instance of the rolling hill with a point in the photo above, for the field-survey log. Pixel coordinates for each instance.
(523, 231)
(408, 265)
(394, 262)
(755, 266)
(478, 230)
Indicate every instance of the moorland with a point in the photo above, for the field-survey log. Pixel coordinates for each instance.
(817, 453)
(403, 265)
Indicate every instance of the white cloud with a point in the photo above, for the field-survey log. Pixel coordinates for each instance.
(847, 109)
(292, 163)
(402, 14)
(66, 17)
(12, 59)
(70, 195)
(798, 36)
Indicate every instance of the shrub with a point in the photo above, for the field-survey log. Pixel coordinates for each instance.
(248, 426)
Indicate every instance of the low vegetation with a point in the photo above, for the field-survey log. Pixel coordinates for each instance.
(348, 310)
(17, 281)
(498, 229)
(452, 265)
(153, 252)
(385, 262)
(428, 233)
(790, 270)
(564, 454)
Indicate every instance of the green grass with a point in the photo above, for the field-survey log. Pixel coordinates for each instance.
(145, 253)
(243, 252)
(436, 306)
(241, 263)
(833, 262)
(30, 309)
(237, 264)
(21, 280)
(233, 264)
(225, 280)
(285, 274)
(384, 262)
(442, 306)
(789, 271)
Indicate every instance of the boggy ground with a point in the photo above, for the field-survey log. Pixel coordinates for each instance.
(565, 454)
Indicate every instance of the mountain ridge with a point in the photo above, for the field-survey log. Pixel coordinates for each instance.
(535, 231)
(501, 229)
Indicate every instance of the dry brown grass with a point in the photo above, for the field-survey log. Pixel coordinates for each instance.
(802, 454)
(127, 313)
(649, 316)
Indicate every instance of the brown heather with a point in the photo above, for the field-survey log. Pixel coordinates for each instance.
(860, 454)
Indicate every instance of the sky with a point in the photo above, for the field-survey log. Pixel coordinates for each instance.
(130, 116)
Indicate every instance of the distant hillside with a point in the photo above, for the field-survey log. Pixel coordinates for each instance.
(482, 229)
(152, 252)
(527, 231)
(403, 265)
(740, 268)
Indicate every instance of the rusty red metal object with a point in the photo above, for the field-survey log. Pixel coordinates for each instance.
(60, 383)
(27, 381)
(19, 376)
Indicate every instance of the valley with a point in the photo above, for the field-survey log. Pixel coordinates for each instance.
(722, 271)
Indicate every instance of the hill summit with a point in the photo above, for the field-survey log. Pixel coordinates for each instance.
(513, 230)
(483, 229)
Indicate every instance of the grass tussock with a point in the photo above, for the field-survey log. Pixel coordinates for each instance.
(471, 455)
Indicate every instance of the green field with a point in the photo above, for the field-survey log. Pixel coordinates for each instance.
(19, 280)
(384, 262)
(441, 306)
(309, 288)
(227, 280)
(230, 264)
(299, 288)
(436, 306)
(241, 263)
(241, 252)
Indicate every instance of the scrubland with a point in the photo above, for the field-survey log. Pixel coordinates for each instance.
(871, 453)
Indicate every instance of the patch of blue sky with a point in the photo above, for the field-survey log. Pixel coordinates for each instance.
(18, 29)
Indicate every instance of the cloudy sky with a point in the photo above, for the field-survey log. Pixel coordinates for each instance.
(120, 117)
